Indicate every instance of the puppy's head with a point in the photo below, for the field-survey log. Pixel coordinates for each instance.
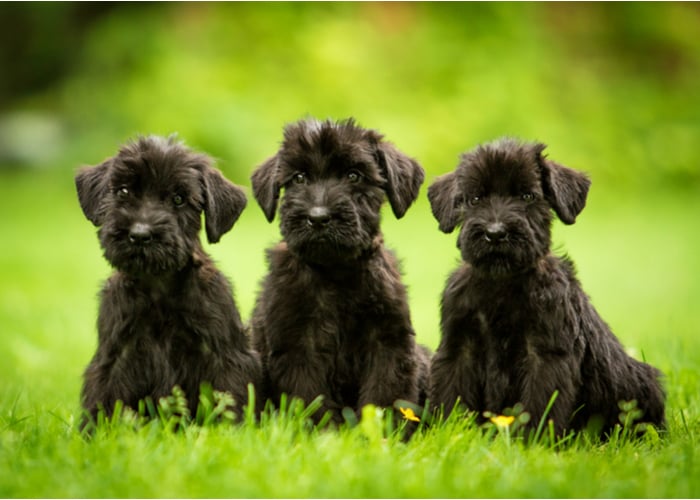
(148, 200)
(502, 194)
(335, 177)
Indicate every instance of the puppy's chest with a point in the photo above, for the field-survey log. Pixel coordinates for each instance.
(323, 295)
(340, 319)
(166, 325)
(342, 333)
(506, 330)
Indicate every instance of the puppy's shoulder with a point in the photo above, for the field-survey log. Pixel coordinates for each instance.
(119, 293)
(557, 275)
(206, 271)
(116, 284)
(279, 257)
(458, 281)
(386, 260)
(286, 267)
(558, 265)
(207, 280)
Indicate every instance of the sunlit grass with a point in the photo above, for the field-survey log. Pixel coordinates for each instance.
(284, 455)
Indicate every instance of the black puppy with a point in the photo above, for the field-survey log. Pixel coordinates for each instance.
(516, 325)
(167, 315)
(332, 318)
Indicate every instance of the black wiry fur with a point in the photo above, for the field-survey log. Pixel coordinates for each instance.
(516, 325)
(167, 315)
(332, 318)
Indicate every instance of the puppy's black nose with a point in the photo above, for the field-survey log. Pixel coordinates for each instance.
(318, 216)
(495, 232)
(140, 233)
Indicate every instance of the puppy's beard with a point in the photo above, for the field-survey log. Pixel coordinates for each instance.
(517, 253)
(346, 237)
(151, 261)
(161, 256)
(322, 246)
(331, 246)
(498, 265)
(326, 253)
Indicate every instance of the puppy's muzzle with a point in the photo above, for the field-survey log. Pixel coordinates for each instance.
(495, 232)
(318, 216)
(140, 233)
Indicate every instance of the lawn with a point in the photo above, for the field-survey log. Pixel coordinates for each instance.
(636, 258)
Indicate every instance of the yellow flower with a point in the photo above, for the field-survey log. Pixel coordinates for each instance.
(502, 420)
(409, 415)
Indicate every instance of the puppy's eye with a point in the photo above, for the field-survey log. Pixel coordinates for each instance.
(528, 197)
(354, 176)
(122, 191)
(178, 200)
(474, 200)
(299, 178)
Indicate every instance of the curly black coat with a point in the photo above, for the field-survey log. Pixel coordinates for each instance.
(332, 318)
(167, 316)
(516, 324)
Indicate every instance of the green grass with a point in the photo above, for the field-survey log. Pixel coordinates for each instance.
(637, 258)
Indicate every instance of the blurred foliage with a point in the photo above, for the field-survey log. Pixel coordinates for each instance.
(611, 87)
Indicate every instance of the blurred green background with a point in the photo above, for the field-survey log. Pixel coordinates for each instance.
(612, 88)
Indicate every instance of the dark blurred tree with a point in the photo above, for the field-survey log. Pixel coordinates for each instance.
(649, 39)
(38, 41)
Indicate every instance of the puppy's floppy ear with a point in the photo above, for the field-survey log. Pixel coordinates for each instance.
(565, 189)
(404, 177)
(444, 198)
(223, 203)
(92, 184)
(266, 188)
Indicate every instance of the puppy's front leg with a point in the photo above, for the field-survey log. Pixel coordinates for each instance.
(97, 391)
(107, 381)
(115, 371)
(548, 372)
(454, 379)
(458, 367)
(390, 374)
(302, 374)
